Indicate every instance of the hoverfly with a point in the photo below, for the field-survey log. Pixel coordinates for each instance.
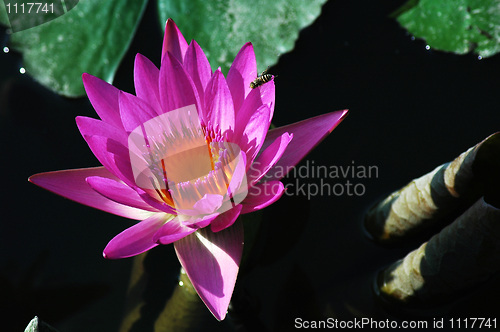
(261, 79)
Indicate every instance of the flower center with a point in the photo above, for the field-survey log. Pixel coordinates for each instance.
(178, 161)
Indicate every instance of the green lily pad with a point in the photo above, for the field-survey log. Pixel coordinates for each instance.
(221, 27)
(457, 26)
(93, 38)
(4, 19)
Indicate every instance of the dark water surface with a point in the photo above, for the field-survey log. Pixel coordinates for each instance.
(410, 111)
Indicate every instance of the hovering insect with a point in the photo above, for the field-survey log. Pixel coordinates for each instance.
(261, 79)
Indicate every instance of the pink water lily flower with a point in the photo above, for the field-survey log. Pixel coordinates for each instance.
(224, 161)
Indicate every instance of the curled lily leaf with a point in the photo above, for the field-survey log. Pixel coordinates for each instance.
(462, 256)
(434, 196)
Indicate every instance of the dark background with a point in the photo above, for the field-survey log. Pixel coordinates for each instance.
(410, 111)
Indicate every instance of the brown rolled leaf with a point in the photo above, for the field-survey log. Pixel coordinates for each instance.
(448, 189)
(461, 257)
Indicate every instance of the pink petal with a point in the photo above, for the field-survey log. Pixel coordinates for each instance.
(219, 104)
(94, 127)
(211, 261)
(262, 195)
(226, 219)
(208, 204)
(104, 98)
(268, 158)
(255, 99)
(238, 181)
(114, 156)
(172, 231)
(242, 72)
(146, 82)
(307, 134)
(136, 239)
(175, 229)
(255, 133)
(198, 67)
(177, 87)
(104, 139)
(155, 201)
(118, 192)
(71, 184)
(200, 222)
(173, 42)
(268, 96)
(134, 111)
